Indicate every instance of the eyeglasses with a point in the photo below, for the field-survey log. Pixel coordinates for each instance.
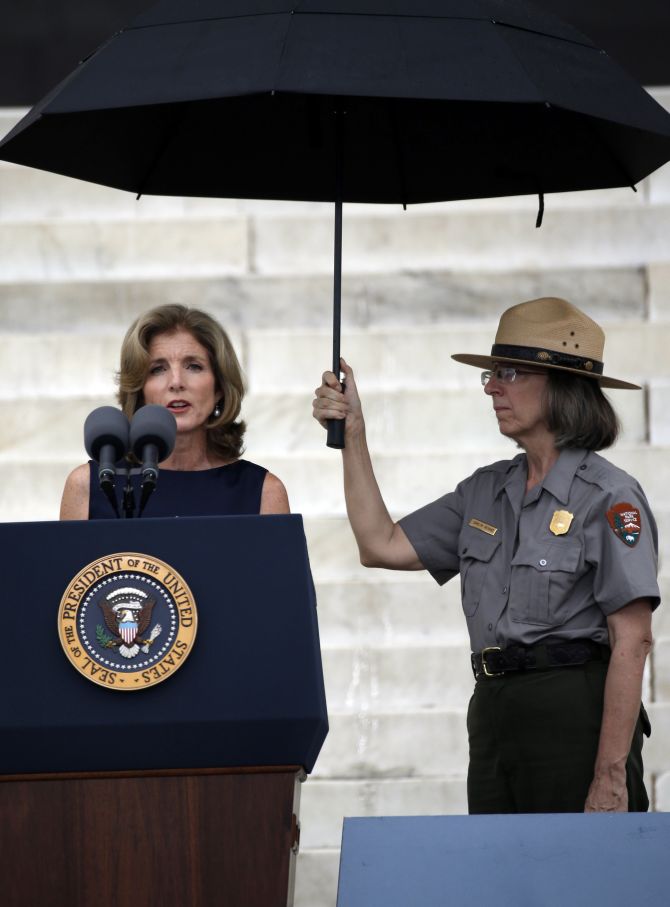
(508, 375)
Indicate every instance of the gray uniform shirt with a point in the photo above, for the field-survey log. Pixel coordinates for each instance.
(544, 566)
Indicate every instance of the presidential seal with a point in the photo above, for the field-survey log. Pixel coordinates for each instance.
(127, 621)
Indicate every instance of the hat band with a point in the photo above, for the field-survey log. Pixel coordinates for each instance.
(547, 357)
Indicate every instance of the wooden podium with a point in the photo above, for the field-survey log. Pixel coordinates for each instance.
(186, 792)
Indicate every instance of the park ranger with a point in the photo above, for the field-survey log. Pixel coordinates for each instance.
(557, 555)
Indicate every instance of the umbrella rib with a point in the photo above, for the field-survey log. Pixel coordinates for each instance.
(168, 136)
(399, 153)
(192, 21)
(612, 156)
(549, 108)
(534, 31)
(282, 53)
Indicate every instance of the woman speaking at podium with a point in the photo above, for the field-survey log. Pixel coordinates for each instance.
(182, 359)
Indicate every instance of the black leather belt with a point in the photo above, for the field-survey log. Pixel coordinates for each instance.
(494, 661)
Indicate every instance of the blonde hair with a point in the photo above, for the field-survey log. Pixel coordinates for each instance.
(224, 433)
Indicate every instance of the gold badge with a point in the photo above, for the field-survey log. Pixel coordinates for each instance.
(561, 521)
(127, 621)
(485, 527)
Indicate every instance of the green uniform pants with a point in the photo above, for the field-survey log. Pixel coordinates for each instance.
(533, 741)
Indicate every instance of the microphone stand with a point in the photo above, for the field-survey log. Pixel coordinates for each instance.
(128, 499)
(149, 473)
(107, 475)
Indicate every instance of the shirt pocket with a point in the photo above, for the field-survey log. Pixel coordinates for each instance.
(544, 575)
(475, 551)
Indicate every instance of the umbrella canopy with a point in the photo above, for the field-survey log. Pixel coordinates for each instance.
(444, 99)
(386, 101)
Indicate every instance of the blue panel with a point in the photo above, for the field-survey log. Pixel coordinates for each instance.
(570, 860)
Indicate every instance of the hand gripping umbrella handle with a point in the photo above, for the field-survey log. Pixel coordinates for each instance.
(335, 437)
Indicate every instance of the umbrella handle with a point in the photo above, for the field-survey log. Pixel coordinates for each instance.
(335, 428)
(335, 437)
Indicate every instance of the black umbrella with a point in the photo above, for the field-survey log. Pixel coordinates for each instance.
(391, 101)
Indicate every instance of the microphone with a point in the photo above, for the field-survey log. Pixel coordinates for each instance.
(153, 432)
(106, 432)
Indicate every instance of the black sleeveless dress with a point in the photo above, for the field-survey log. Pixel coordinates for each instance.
(222, 491)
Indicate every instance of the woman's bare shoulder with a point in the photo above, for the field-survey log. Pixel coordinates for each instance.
(74, 503)
(274, 498)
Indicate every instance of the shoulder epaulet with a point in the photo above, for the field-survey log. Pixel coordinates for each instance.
(596, 470)
(500, 466)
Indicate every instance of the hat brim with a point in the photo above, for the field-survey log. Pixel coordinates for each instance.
(485, 362)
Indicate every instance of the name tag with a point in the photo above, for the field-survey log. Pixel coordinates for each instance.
(485, 527)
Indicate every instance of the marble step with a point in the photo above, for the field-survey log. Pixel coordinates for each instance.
(661, 618)
(315, 483)
(35, 468)
(394, 744)
(365, 679)
(656, 746)
(323, 804)
(488, 240)
(379, 613)
(406, 610)
(409, 358)
(281, 423)
(420, 357)
(316, 878)
(104, 249)
(372, 607)
(467, 239)
(390, 298)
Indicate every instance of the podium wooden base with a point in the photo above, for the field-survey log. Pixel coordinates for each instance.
(200, 838)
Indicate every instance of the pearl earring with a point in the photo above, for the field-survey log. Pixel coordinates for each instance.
(217, 411)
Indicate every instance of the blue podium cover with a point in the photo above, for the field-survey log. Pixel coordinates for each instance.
(568, 860)
(251, 691)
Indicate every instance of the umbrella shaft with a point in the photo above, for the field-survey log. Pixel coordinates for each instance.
(335, 426)
(337, 287)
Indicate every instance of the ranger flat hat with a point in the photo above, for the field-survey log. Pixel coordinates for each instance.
(550, 333)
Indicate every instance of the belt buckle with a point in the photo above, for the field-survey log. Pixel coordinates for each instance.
(485, 666)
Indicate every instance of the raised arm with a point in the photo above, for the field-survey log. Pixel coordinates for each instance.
(381, 542)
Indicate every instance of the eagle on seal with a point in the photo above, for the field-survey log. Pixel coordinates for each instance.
(127, 614)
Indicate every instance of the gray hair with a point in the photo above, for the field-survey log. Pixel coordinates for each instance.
(578, 412)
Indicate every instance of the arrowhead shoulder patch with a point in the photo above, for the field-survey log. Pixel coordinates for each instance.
(626, 522)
